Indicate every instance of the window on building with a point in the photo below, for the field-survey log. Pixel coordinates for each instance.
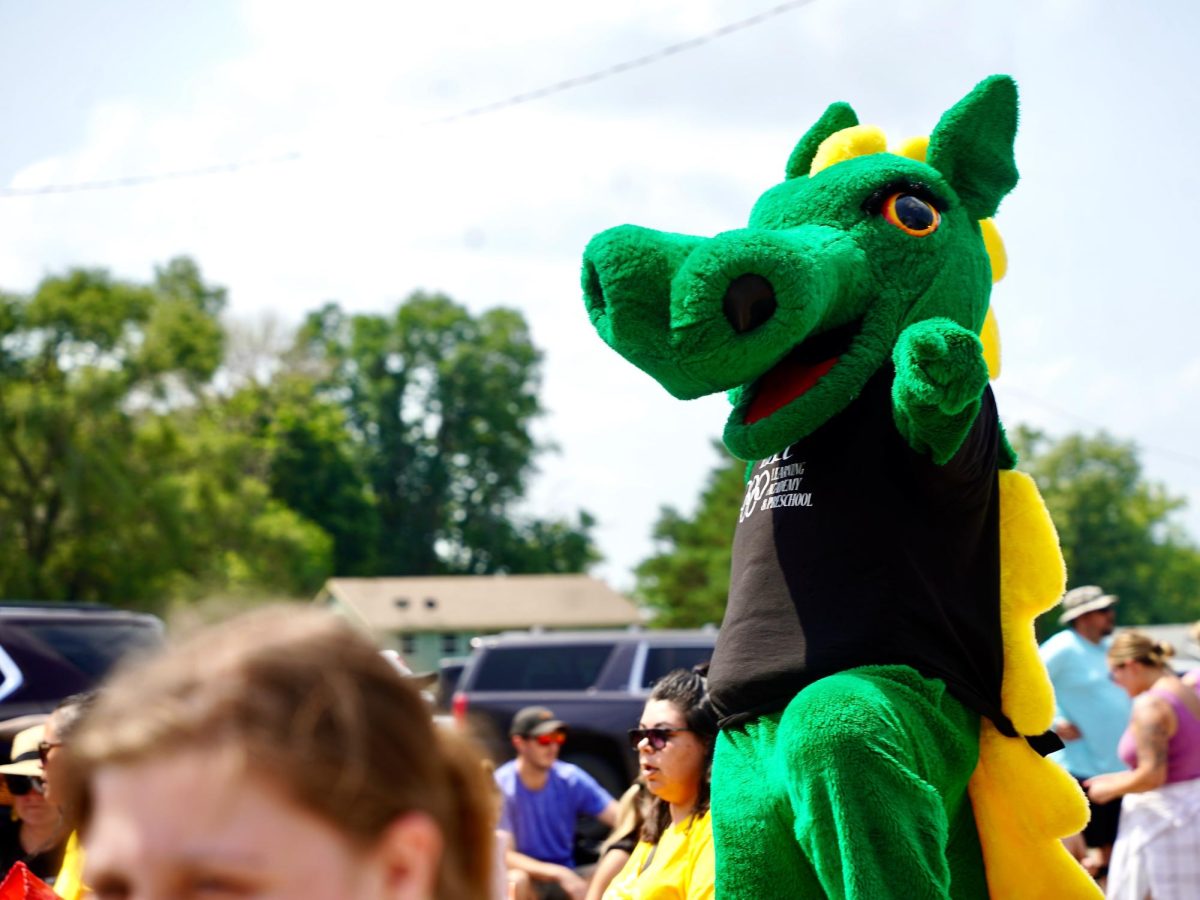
(449, 643)
(408, 644)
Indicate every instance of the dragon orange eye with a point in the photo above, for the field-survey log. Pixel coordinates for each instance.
(911, 214)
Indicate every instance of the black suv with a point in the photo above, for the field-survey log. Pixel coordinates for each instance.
(49, 651)
(595, 681)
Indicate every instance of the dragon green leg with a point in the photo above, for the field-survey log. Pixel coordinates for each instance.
(867, 772)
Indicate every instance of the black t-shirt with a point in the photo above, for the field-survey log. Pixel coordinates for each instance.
(853, 549)
(44, 865)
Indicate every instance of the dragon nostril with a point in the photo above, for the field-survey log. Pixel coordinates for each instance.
(749, 302)
(593, 291)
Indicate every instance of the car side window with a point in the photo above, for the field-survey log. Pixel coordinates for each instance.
(661, 660)
(566, 667)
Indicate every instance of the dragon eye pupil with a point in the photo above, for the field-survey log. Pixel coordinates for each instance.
(914, 213)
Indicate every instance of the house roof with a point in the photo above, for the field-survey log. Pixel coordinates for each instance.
(480, 603)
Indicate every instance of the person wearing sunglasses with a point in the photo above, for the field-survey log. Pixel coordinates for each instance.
(542, 799)
(674, 742)
(1157, 851)
(36, 835)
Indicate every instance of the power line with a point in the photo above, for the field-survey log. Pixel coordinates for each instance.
(1178, 455)
(519, 99)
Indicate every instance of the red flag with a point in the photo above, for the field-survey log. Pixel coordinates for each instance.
(21, 884)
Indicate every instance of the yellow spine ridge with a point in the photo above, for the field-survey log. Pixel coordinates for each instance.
(857, 140)
(1024, 805)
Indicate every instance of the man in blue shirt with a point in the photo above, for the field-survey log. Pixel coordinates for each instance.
(1091, 711)
(542, 799)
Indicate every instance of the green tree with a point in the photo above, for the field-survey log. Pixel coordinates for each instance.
(297, 442)
(78, 359)
(440, 404)
(119, 481)
(686, 581)
(1115, 527)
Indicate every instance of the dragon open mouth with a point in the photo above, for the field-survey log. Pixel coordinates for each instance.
(797, 372)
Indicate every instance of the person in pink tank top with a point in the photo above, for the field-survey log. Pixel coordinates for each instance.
(1157, 853)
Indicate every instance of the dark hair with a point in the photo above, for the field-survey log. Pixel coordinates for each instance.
(304, 699)
(688, 693)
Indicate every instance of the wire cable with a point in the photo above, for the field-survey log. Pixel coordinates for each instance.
(519, 99)
(1178, 455)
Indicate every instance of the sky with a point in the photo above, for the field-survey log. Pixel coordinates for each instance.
(374, 149)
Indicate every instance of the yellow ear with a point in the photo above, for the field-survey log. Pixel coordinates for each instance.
(857, 140)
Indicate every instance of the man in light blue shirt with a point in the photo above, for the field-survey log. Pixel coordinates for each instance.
(1091, 711)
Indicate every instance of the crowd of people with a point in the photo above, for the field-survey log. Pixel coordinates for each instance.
(282, 755)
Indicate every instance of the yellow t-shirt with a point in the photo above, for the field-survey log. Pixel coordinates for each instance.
(69, 883)
(682, 867)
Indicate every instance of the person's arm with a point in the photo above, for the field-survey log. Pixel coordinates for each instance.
(567, 879)
(1153, 724)
(608, 815)
(611, 863)
(1062, 726)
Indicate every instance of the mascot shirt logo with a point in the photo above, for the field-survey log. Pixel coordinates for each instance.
(776, 483)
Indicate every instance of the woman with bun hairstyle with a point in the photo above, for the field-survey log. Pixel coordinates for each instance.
(1157, 853)
(673, 859)
(278, 755)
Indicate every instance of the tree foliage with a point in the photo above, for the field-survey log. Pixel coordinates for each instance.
(121, 479)
(439, 403)
(136, 468)
(1115, 527)
(686, 581)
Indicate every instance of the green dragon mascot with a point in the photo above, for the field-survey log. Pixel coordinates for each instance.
(881, 701)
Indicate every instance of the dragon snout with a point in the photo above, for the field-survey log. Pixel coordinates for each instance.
(749, 302)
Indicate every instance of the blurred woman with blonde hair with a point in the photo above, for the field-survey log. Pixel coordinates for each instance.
(277, 755)
(1157, 853)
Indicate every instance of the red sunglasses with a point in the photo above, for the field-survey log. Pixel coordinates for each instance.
(554, 737)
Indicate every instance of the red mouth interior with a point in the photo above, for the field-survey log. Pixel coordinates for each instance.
(781, 385)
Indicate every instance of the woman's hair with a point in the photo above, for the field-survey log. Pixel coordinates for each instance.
(688, 693)
(1135, 646)
(303, 700)
(69, 713)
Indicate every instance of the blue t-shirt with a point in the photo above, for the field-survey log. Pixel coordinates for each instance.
(542, 823)
(1087, 698)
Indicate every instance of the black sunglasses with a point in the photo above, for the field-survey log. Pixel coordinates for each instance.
(20, 785)
(44, 748)
(656, 737)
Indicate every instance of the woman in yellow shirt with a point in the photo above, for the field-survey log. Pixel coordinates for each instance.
(674, 741)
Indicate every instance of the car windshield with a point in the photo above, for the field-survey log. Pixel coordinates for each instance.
(661, 660)
(90, 647)
(563, 667)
